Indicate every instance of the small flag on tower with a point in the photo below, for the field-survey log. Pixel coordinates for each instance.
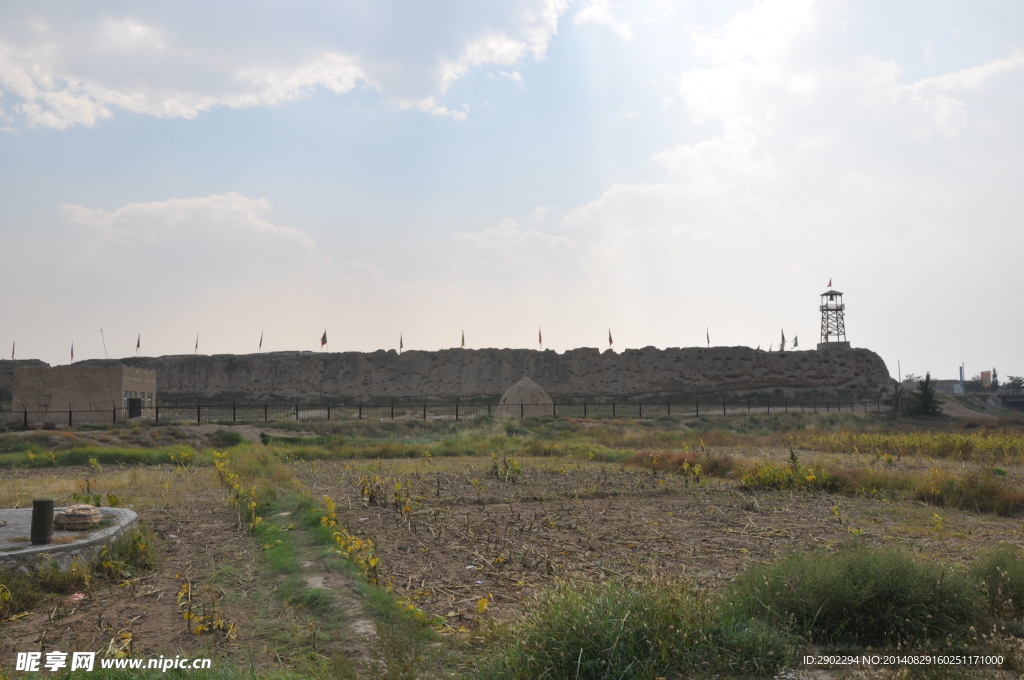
(830, 283)
(463, 338)
(400, 343)
(261, 341)
(196, 350)
(609, 337)
(795, 341)
(323, 340)
(540, 338)
(12, 350)
(782, 345)
(138, 343)
(72, 352)
(707, 334)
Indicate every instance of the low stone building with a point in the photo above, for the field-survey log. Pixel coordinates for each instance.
(39, 389)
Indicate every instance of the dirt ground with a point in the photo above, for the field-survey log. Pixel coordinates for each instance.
(467, 535)
(195, 535)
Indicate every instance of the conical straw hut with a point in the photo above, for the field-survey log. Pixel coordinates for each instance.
(525, 398)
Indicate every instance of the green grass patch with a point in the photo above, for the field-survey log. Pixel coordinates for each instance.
(861, 597)
(172, 455)
(636, 630)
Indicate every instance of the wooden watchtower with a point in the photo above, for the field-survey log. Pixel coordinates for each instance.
(833, 321)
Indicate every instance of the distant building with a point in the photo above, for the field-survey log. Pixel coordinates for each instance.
(82, 388)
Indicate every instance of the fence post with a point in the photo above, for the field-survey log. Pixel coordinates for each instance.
(456, 408)
(613, 408)
(584, 407)
(723, 407)
(425, 410)
(554, 414)
(668, 408)
(199, 412)
(232, 411)
(698, 407)
(113, 419)
(769, 407)
(328, 411)
(522, 410)
(26, 419)
(641, 409)
(296, 410)
(359, 415)
(157, 413)
(488, 408)
(266, 418)
(70, 417)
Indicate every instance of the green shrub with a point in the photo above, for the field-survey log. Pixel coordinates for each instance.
(861, 597)
(225, 439)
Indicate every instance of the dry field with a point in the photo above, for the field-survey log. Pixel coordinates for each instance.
(472, 540)
(465, 534)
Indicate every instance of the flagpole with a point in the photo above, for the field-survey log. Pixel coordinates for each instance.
(105, 356)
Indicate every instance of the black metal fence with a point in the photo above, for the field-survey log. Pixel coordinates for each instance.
(267, 412)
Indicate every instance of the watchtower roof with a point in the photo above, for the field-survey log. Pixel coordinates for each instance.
(831, 293)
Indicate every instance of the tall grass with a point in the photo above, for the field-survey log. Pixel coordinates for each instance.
(861, 597)
(104, 455)
(975, 444)
(643, 631)
(976, 491)
(1001, 572)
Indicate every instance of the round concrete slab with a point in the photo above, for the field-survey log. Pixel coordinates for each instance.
(17, 552)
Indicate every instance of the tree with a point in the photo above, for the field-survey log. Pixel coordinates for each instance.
(911, 378)
(995, 380)
(1015, 382)
(925, 402)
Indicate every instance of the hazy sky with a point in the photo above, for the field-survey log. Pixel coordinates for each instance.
(379, 168)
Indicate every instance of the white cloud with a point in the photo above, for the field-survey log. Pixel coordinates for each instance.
(158, 220)
(61, 71)
(602, 12)
(933, 105)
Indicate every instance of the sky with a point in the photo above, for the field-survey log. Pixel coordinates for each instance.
(666, 170)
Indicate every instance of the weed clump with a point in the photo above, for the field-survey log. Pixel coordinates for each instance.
(131, 552)
(861, 597)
